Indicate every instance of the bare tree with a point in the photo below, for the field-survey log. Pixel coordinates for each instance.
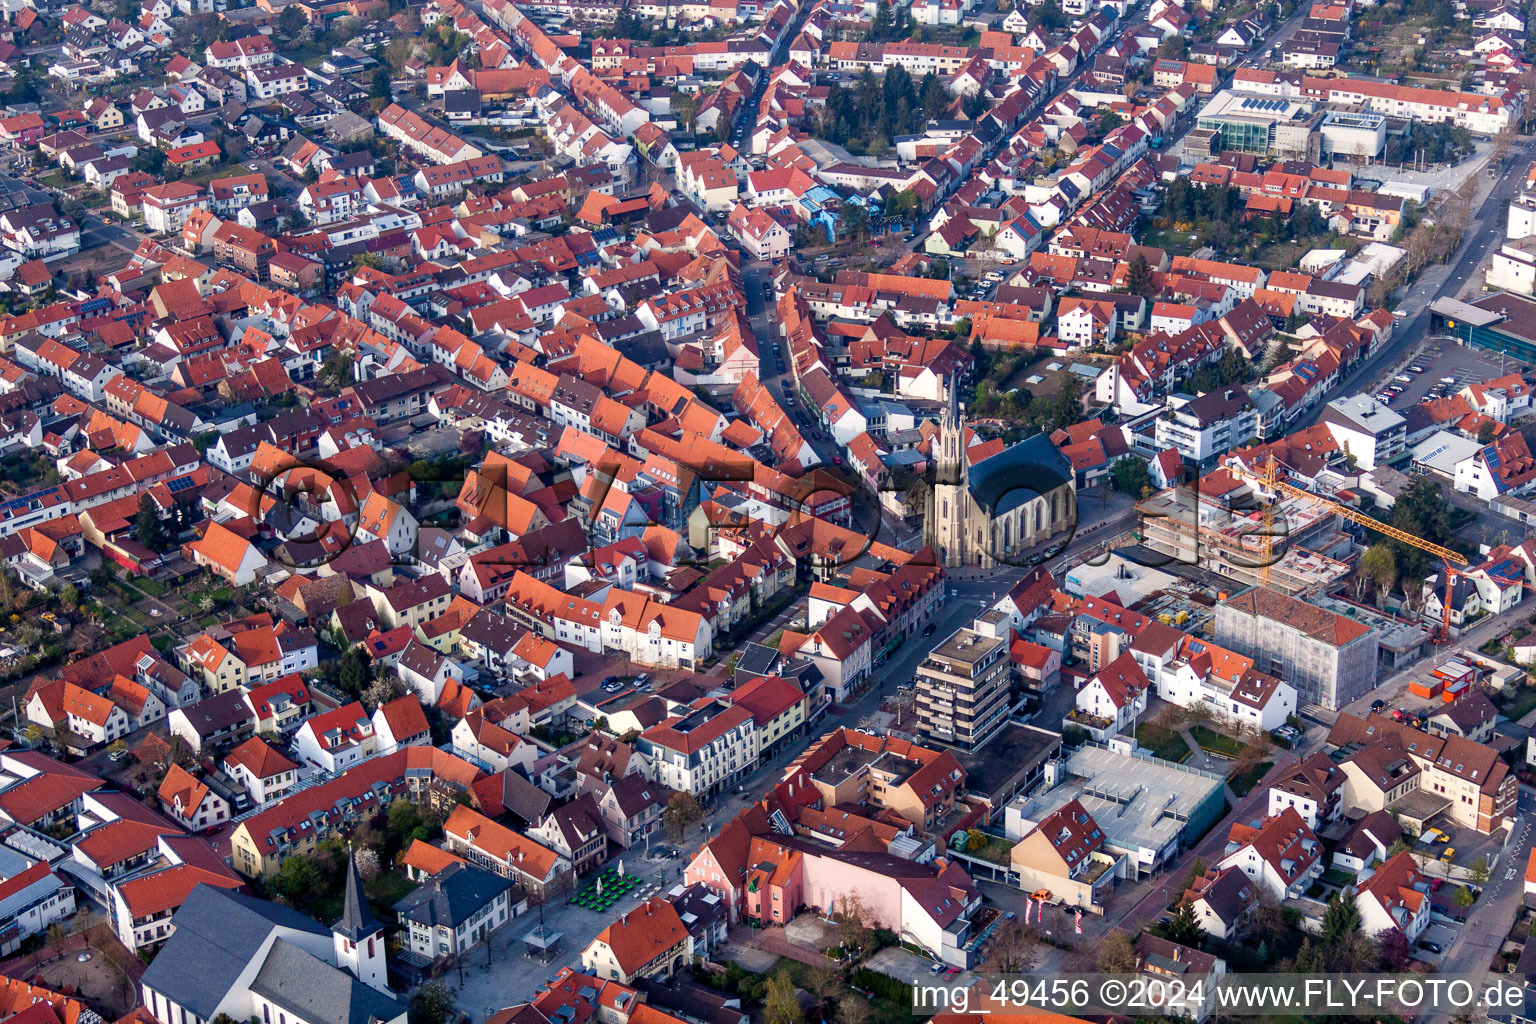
(852, 1009)
(1012, 948)
(852, 924)
(1117, 955)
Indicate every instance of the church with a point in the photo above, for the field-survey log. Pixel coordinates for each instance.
(231, 954)
(1002, 507)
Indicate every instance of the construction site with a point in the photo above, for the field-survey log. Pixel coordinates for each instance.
(1228, 539)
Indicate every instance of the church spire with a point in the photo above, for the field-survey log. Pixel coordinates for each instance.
(357, 921)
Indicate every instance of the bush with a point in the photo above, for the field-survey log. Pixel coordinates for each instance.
(882, 985)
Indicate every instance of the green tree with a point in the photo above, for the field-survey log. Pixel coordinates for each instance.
(1479, 870)
(1341, 919)
(354, 672)
(1485, 432)
(433, 1004)
(380, 87)
(904, 205)
(336, 372)
(1424, 511)
(1108, 121)
(297, 879)
(291, 22)
(682, 813)
(933, 97)
(147, 526)
(1183, 927)
(1380, 565)
(1464, 897)
(1309, 959)
(781, 1003)
(1138, 276)
(1130, 476)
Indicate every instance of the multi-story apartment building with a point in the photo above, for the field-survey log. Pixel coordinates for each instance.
(1461, 778)
(1368, 432)
(704, 750)
(850, 768)
(962, 689)
(1329, 659)
(1203, 428)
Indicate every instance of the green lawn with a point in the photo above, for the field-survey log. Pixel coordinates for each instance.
(1244, 781)
(146, 586)
(1176, 242)
(1215, 742)
(998, 851)
(1520, 704)
(1163, 742)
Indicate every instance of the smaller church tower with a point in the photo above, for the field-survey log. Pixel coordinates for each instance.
(357, 938)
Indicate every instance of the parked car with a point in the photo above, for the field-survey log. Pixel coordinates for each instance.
(936, 969)
(928, 629)
(1378, 704)
(1435, 884)
(1433, 947)
(1399, 715)
(1448, 855)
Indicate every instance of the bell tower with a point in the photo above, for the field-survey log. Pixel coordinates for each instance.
(949, 502)
(357, 938)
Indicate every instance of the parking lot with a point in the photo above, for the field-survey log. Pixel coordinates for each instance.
(913, 969)
(1441, 935)
(1442, 358)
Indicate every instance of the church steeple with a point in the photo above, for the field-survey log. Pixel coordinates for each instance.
(357, 938)
(356, 919)
(949, 501)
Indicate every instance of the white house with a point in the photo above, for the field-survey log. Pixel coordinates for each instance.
(1394, 896)
(1280, 853)
(1116, 694)
(337, 740)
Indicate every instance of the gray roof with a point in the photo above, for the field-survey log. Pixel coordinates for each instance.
(317, 993)
(452, 896)
(217, 934)
(1030, 469)
(356, 922)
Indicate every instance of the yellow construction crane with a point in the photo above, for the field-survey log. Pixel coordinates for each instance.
(1268, 477)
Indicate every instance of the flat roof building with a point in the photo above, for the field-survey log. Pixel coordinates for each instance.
(962, 689)
(1147, 807)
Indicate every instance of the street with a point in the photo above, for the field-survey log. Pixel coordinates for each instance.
(1484, 232)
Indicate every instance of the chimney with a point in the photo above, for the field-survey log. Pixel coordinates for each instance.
(1178, 953)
